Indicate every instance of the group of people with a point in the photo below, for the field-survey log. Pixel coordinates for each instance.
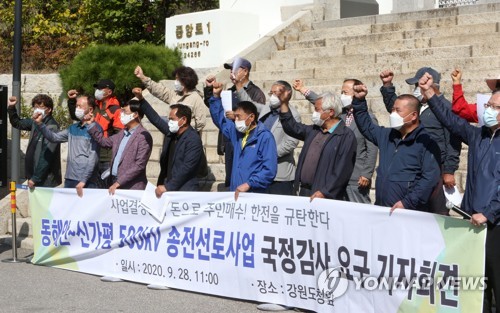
(418, 152)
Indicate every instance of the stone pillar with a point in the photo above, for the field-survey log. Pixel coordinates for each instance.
(332, 8)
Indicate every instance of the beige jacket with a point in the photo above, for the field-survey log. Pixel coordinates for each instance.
(193, 99)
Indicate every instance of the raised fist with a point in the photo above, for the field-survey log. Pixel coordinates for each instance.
(137, 91)
(210, 80)
(72, 94)
(12, 101)
(360, 91)
(139, 73)
(456, 76)
(386, 76)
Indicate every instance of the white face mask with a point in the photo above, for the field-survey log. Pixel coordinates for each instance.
(316, 119)
(346, 100)
(490, 117)
(99, 94)
(79, 113)
(41, 111)
(418, 94)
(396, 120)
(274, 102)
(178, 86)
(173, 126)
(241, 126)
(126, 118)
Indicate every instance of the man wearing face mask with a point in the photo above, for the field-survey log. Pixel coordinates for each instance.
(255, 155)
(409, 159)
(450, 146)
(240, 72)
(184, 92)
(358, 189)
(107, 115)
(131, 149)
(182, 155)
(482, 190)
(43, 158)
(269, 115)
(327, 158)
(82, 165)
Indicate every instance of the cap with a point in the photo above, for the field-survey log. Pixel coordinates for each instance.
(435, 75)
(103, 83)
(242, 62)
(493, 83)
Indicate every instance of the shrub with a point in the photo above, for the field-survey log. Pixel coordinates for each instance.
(118, 63)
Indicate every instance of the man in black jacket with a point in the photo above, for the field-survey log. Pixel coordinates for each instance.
(43, 158)
(449, 144)
(182, 155)
(327, 159)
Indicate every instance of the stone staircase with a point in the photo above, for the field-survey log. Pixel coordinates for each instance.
(324, 53)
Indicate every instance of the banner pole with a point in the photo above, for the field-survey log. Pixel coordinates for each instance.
(13, 207)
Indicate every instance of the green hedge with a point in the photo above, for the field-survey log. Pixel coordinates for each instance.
(118, 63)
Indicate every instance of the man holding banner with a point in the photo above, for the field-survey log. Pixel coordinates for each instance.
(255, 161)
(409, 166)
(482, 191)
(327, 159)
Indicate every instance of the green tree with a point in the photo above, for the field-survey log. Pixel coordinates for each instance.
(118, 63)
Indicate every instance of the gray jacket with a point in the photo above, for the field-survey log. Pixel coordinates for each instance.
(284, 143)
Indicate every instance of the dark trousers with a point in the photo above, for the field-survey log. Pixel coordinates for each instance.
(71, 183)
(284, 188)
(492, 268)
(228, 160)
(305, 191)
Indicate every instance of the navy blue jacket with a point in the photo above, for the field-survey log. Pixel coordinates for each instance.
(409, 168)
(188, 155)
(255, 164)
(337, 159)
(449, 144)
(482, 190)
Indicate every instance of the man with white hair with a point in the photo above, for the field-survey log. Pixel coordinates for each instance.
(327, 158)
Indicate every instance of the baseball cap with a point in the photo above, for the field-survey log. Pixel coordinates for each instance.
(103, 83)
(493, 83)
(436, 77)
(242, 62)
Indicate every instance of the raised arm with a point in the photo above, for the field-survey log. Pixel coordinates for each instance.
(456, 125)
(15, 120)
(460, 106)
(388, 90)
(366, 126)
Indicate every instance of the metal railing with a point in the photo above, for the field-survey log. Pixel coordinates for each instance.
(455, 3)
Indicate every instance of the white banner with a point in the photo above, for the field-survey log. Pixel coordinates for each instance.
(267, 248)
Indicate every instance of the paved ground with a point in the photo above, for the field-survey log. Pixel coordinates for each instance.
(31, 288)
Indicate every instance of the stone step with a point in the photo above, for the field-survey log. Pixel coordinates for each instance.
(457, 30)
(439, 22)
(464, 51)
(466, 11)
(471, 39)
(388, 46)
(330, 56)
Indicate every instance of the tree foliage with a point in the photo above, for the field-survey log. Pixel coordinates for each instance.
(55, 31)
(118, 63)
